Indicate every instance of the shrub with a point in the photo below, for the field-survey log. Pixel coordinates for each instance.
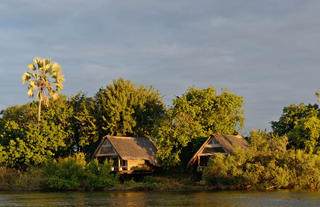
(65, 174)
(99, 175)
(267, 164)
(73, 172)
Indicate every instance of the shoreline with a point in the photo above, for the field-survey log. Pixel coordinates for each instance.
(142, 187)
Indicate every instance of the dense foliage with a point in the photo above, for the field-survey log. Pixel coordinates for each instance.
(267, 164)
(197, 113)
(69, 173)
(23, 144)
(74, 172)
(124, 109)
(301, 123)
(71, 128)
(76, 124)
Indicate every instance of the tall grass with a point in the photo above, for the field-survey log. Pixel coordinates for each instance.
(12, 179)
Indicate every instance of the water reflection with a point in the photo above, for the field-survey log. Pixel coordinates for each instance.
(146, 199)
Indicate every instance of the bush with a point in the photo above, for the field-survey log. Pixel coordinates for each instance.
(99, 175)
(65, 174)
(73, 172)
(267, 164)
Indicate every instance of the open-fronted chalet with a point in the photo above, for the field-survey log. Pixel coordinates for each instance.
(129, 154)
(216, 144)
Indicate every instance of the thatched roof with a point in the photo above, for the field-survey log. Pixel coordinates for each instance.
(133, 148)
(228, 142)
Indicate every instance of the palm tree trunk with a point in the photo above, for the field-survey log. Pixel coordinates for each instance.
(39, 111)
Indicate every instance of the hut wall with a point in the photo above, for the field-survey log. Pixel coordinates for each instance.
(134, 164)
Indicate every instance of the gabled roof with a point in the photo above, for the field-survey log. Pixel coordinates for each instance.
(226, 141)
(132, 148)
(229, 141)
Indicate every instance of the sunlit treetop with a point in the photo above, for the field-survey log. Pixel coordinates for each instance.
(45, 77)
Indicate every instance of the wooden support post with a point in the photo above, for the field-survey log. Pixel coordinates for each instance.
(119, 164)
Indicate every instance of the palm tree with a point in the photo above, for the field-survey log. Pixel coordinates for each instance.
(45, 78)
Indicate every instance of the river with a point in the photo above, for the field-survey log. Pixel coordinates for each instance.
(144, 199)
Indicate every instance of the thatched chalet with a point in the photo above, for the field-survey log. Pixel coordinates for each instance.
(129, 154)
(216, 144)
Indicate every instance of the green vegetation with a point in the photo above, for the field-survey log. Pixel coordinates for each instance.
(13, 179)
(267, 164)
(70, 173)
(74, 172)
(24, 145)
(163, 182)
(76, 124)
(123, 109)
(302, 126)
(58, 155)
(197, 113)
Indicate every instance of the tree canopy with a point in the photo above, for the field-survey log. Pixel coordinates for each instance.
(301, 123)
(197, 113)
(21, 140)
(124, 109)
(76, 124)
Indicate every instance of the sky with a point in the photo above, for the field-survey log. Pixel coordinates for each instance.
(266, 51)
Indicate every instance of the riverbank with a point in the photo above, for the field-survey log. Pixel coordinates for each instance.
(35, 180)
(75, 174)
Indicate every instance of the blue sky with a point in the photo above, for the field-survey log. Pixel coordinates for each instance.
(266, 51)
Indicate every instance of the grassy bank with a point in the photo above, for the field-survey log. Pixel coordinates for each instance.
(16, 180)
(36, 179)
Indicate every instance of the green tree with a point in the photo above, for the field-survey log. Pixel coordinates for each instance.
(301, 123)
(25, 144)
(45, 78)
(84, 125)
(197, 113)
(67, 126)
(305, 134)
(124, 109)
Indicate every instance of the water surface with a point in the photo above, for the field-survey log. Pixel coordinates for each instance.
(144, 199)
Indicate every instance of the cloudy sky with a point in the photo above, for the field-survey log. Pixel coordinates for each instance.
(264, 50)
